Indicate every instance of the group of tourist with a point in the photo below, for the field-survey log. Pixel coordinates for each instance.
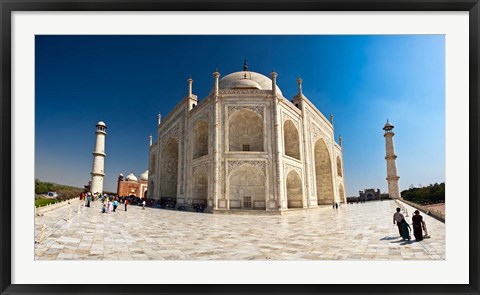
(87, 198)
(404, 228)
(110, 203)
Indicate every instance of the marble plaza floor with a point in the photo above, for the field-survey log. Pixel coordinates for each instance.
(353, 232)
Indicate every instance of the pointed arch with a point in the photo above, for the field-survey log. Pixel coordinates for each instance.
(152, 163)
(294, 190)
(341, 194)
(200, 187)
(245, 131)
(200, 142)
(291, 140)
(247, 188)
(169, 176)
(339, 167)
(150, 190)
(323, 173)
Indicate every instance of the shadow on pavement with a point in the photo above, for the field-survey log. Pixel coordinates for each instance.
(388, 238)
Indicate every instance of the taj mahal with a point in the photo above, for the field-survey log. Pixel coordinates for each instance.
(246, 147)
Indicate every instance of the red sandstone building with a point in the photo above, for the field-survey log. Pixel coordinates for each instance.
(131, 186)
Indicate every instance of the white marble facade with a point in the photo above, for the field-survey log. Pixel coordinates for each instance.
(246, 147)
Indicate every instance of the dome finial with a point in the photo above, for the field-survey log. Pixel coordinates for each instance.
(245, 65)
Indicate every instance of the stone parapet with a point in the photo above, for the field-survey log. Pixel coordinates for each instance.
(41, 210)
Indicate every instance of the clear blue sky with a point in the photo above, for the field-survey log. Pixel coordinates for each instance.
(126, 80)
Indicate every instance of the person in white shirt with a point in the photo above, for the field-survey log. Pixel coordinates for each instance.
(397, 217)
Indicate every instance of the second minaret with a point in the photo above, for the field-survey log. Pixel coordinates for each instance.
(391, 158)
(99, 159)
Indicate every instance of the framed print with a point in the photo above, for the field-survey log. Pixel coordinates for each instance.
(219, 147)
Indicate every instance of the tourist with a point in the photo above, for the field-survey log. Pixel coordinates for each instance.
(115, 205)
(110, 206)
(143, 205)
(336, 205)
(89, 199)
(104, 209)
(126, 203)
(417, 222)
(405, 230)
(397, 217)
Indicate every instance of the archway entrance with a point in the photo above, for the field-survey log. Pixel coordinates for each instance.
(291, 140)
(169, 169)
(323, 173)
(341, 194)
(245, 132)
(200, 189)
(247, 188)
(294, 190)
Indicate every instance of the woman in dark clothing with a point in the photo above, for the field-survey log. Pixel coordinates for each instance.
(417, 221)
(405, 230)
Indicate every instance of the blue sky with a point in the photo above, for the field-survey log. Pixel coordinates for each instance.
(126, 80)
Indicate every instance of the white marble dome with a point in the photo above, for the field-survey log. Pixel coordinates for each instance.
(131, 177)
(246, 80)
(144, 175)
(101, 123)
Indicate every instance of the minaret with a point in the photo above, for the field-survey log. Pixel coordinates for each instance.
(274, 75)
(99, 159)
(299, 83)
(392, 177)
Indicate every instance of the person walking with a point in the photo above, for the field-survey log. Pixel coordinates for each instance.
(143, 205)
(126, 203)
(397, 218)
(405, 230)
(115, 205)
(89, 199)
(417, 222)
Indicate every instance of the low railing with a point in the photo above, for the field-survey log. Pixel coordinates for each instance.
(41, 210)
(428, 211)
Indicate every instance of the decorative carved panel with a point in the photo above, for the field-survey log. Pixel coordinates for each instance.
(201, 167)
(234, 164)
(286, 116)
(289, 167)
(317, 133)
(245, 91)
(204, 116)
(256, 109)
(173, 132)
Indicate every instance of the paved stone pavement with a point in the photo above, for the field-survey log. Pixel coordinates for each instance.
(353, 232)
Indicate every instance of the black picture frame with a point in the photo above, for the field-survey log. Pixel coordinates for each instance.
(9, 6)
